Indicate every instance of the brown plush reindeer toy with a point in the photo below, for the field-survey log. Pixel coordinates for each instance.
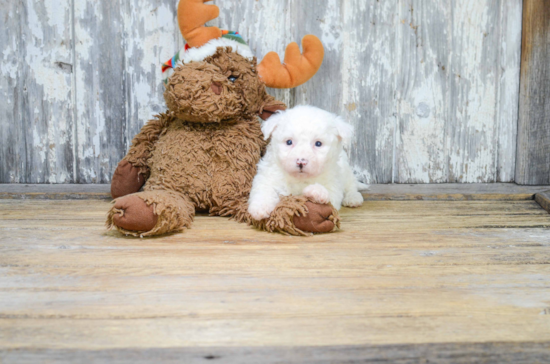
(201, 154)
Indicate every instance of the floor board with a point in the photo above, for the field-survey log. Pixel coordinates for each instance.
(376, 192)
(398, 273)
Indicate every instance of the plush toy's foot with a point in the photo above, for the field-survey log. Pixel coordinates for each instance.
(151, 213)
(318, 219)
(297, 215)
(126, 180)
(133, 214)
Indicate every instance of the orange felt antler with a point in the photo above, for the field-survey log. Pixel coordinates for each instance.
(297, 68)
(192, 15)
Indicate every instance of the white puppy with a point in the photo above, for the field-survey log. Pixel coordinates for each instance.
(305, 156)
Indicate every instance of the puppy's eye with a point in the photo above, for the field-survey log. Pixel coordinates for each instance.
(318, 144)
(289, 142)
(232, 78)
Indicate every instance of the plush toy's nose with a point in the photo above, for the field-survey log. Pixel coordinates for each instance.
(216, 88)
(301, 163)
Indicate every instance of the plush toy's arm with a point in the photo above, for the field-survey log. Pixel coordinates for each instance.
(133, 170)
(144, 142)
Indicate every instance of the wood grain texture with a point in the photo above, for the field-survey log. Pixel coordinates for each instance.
(423, 91)
(56, 192)
(430, 86)
(487, 353)
(458, 65)
(543, 199)
(399, 192)
(119, 53)
(12, 137)
(473, 81)
(101, 94)
(152, 37)
(450, 273)
(36, 112)
(507, 70)
(265, 25)
(453, 192)
(533, 148)
(368, 83)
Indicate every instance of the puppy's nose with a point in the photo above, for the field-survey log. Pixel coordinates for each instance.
(216, 88)
(301, 163)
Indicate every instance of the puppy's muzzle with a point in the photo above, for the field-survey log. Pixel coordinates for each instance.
(301, 163)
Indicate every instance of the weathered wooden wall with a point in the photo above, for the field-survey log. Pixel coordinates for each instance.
(432, 86)
(533, 151)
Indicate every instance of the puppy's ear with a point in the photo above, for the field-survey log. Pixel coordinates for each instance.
(344, 130)
(269, 126)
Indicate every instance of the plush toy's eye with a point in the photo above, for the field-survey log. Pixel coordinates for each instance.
(232, 78)
(318, 144)
(289, 142)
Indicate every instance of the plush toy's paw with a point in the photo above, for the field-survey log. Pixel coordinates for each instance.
(317, 193)
(133, 214)
(260, 211)
(126, 180)
(319, 219)
(353, 199)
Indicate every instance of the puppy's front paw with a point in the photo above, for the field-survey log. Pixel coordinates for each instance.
(317, 193)
(260, 211)
(353, 199)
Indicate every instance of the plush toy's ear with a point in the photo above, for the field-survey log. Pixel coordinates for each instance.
(269, 126)
(270, 107)
(269, 110)
(344, 130)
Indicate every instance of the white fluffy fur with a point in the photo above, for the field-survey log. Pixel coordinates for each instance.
(325, 177)
(210, 48)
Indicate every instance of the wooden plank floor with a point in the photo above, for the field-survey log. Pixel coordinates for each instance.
(398, 273)
(376, 192)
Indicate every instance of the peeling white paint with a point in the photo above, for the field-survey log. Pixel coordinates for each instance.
(266, 26)
(8, 66)
(432, 92)
(151, 44)
(331, 27)
(31, 65)
(57, 15)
